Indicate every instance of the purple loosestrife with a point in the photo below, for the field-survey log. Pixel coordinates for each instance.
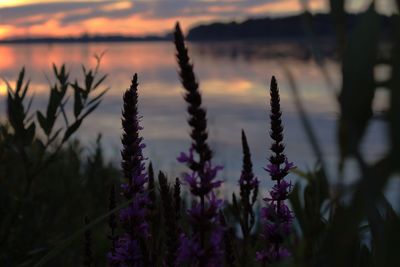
(248, 188)
(276, 216)
(248, 184)
(204, 246)
(130, 248)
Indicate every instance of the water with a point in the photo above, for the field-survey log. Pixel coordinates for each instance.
(234, 79)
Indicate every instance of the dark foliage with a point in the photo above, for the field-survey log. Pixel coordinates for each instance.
(41, 177)
(88, 254)
(171, 226)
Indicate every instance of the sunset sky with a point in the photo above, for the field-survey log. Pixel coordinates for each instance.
(30, 18)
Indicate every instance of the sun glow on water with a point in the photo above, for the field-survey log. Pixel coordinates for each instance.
(3, 88)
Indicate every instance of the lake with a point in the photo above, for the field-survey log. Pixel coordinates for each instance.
(234, 80)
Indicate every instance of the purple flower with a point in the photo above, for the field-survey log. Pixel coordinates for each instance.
(272, 255)
(201, 187)
(275, 170)
(206, 216)
(203, 219)
(191, 251)
(280, 191)
(251, 184)
(135, 215)
(127, 253)
(276, 215)
(186, 158)
(203, 247)
(129, 248)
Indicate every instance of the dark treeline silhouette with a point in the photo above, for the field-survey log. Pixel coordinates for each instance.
(293, 27)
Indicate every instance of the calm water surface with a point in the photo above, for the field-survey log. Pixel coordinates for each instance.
(234, 79)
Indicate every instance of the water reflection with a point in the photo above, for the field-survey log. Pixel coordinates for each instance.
(234, 84)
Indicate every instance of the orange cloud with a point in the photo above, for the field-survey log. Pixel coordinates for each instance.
(13, 3)
(133, 25)
(103, 17)
(5, 31)
(214, 9)
(118, 6)
(287, 6)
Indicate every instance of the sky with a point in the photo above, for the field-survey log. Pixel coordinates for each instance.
(61, 18)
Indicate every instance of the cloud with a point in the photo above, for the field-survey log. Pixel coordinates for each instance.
(161, 9)
(68, 14)
(10, 14)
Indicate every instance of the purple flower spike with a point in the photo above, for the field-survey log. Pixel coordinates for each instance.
(127, 253)
(203, 247)
(129, 248)
(276, 215)
(186, 158)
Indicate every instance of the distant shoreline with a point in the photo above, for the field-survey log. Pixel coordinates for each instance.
(252, 40)
(292, 28)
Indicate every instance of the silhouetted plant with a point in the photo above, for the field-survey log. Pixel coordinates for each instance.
(243, 210)
(112, 220)
(88, 254)
(203, 247)
(171, 226)
(276, 216)
(29, 153)
(177, 199)
(130, 247)
(229, 249)
(151, 188)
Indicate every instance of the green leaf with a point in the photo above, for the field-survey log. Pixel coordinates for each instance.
(52, 104)
(29, 133)
(55, 70)
(100, 81)
(42, 122)
(235, 206)
(295, 202)
(28, 108)
(25, 89)
(78, 105)
(15, 112)
(89, 78)
(20, 81)
(71, 129)
(55, 135)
